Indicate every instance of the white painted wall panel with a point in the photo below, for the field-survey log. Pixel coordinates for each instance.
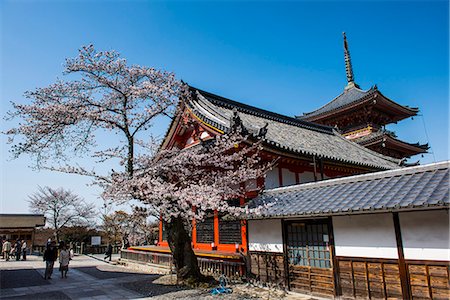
(272, 179)
(265, 235)
(306, 177)
(288, 177)
(425, 235)
(365, 236)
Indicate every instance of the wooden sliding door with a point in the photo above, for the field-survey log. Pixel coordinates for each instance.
(309, 257)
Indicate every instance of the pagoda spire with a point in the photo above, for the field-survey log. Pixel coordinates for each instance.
(348, 66)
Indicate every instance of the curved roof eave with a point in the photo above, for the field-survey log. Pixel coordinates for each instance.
(322, 112)
(390, 163)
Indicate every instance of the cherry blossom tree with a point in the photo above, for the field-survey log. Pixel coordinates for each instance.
(183, 185)
(62, 208)
(102, 94)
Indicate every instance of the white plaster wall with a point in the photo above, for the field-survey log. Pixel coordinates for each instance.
(306, 177)
(272, 180)
(365, 236)
(425, 235)
(265, 235)
(288, 177)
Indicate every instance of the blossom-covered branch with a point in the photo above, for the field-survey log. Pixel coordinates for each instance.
(64, 118)
(201, 177)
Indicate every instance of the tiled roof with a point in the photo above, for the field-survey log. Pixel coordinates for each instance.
(410, 188)
(380, 134)
(347, 97)
(286, 133)
(351, 96)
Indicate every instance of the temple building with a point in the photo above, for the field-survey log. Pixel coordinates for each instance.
(361, 116)
(331, 191)
(305, 152)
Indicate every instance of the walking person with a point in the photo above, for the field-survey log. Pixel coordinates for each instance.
(12, 253)
(50, 255)
(108, 252)
(18, 249)
(24, 250)
(6, 249)
(64, 258)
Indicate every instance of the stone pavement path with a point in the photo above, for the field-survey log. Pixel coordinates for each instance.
(88, 278)
(93, 278)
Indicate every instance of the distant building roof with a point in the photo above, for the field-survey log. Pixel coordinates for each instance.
(389, 141)
(286, 133)
(421, 187)
(21, 220)
(354, 96)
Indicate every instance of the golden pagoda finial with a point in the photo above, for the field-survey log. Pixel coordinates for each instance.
(348, 65)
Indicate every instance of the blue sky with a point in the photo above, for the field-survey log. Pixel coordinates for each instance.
(281, 56)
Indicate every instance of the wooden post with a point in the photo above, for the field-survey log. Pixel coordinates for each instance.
(335, 263)
(315, 168)
(321, 169)
(280, 176)
(216, 229)
(285, 253)
(404, 278)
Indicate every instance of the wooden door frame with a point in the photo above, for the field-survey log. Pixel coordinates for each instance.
(334, 265)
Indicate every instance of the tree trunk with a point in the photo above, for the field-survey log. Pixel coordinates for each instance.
(183, 256)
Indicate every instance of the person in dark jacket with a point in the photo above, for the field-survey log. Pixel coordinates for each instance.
(18, 249)
(108, 252)
(50, 255)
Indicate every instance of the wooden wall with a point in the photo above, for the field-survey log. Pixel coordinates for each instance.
(429, 280)
(317, 281)
(380, 279)
(369, 278)
(268, 267)
(358, 278)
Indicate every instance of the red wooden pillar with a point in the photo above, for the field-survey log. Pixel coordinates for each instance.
(216, 229)
(244, 242)
(160, 239)
(194, 233)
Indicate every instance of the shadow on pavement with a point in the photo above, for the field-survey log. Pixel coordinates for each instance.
(41, 296)
(106, 274)
(149, 289)
(20, 278)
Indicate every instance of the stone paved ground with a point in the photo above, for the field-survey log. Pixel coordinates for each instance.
(88, 278)
(92, 278)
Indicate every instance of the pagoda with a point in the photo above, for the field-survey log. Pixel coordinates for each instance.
(361, 116)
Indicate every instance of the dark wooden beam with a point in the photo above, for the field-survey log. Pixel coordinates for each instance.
(403, 269)
(285, 253)
(337, 285)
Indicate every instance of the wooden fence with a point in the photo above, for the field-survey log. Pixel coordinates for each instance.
(234, 270)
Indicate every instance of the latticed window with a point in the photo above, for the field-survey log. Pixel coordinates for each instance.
(308, 245)
(164, 231)
(230, 227)
(205, 229)
(229, 231)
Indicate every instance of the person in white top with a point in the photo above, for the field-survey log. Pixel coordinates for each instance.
(64, 258)
(24, 250)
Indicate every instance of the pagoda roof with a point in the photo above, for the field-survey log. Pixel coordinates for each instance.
(354, 96)
(392, 142)
(406, 189)
(290, 135)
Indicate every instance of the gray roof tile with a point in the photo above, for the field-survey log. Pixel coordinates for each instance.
(407, 188)
(289, 134)
(347, 97)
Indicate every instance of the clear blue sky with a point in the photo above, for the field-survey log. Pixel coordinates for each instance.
(281, 56)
